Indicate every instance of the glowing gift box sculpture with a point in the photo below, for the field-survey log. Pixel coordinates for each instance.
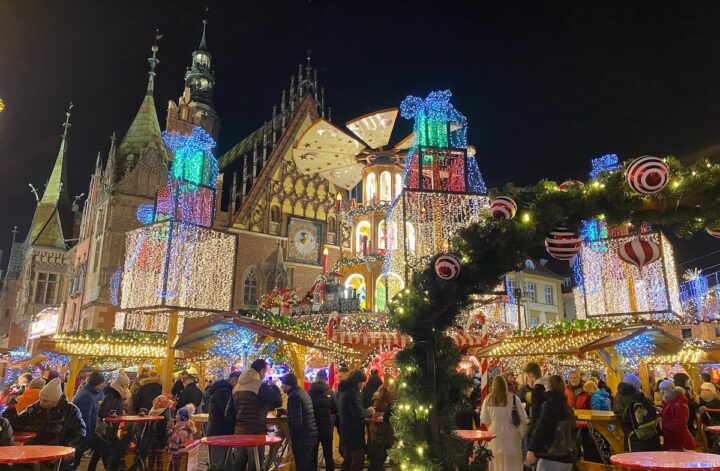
(177, 262)
(443, 189)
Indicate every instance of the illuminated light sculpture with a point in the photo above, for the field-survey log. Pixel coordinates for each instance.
(443, 190)
(611, 287)
(699, 294)
(179, 263)
(604, 164)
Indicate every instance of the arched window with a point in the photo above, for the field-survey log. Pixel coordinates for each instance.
(381, 235)
(380, 294)
(410, 237)
(275, 213)
(356, 284)
(362, 238)
(370, 188)
(385, 186)
(398, 185)
(331, 224)
(250, 284)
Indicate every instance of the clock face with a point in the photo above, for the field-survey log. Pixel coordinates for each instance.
(304, 241)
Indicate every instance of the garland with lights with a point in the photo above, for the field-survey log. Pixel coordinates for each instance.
(690, 203)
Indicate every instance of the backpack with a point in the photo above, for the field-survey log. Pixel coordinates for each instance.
(564, 443)
(642, 420)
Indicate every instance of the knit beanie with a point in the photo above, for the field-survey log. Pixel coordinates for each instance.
(37, 383)
(95, 378)
(184, 413)
(290, 380)
(122, 379)
(667, 384)
(52, 391)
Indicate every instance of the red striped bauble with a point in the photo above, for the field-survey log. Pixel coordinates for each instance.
(447, 267)
(570, 184)
(563, 244)
(503, 207)
(713, 231)
(639, 252)
(647, 175)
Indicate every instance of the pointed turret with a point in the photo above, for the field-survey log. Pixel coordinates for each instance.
(47, 225)
(144, 132)
(199, 78)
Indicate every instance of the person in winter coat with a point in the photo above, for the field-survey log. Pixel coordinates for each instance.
(87, 399)
(301, 423)
(709, 400)
(599, 398)
(373, 384)
(577, 398)
(179, 384)
(116, 397)
(147, 390)
(55, 420)
(30, 395)
(552, 444)
(158, 431)
(191, 393)
(682, 380)
(496, 414)
(381, 434)
(601, 384)
(142, 374)
(10, 412)
(352, 421)
(534, 400)
(182, 431)
(252, 398)
(6, 433)
(628, 398)
(675, 412)
(21, 384)
(325, 407)
(221, 414)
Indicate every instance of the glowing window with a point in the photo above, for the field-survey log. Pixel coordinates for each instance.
(250, 287)
(370, 188)
(381, 235)
(385, 186)
(398, 185)
(362, 237)
(410, 237)
(356, 283)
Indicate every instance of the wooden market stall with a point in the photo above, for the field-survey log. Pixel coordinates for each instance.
(612, 345)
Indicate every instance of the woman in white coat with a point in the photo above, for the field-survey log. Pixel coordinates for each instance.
(496, 414)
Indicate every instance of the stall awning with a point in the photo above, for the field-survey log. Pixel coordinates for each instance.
(394, 339)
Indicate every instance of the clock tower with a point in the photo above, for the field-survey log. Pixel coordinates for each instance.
(195, 106)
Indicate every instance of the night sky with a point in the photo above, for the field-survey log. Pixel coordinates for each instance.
(546, 85)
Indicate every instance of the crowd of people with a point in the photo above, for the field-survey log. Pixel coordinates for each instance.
(534, 420)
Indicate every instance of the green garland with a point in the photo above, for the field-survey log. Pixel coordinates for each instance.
(428, 306)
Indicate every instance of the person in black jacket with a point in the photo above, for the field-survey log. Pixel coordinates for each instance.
(628, 395)
(191, 393)
(553, 441)
(179, 384)
(6, 433)
(301, 423)
(352, 421)
(107, 445)
(326, 408)
(373, 384)
(252, 398)
(221, 414)
(55, 420)
(149, 388)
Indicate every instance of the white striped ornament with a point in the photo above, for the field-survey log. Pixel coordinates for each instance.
(639, 252)
(647, 175)
(713, 231)
(503, 208)
(563, 244)
(567, 185)
(447, 267)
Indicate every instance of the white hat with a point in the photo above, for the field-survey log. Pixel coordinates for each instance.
(52, 391)
(122, 379)
(708, 386)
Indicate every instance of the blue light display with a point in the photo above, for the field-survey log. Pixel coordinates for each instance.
(145, 213)
(635, 348)
(603, 164)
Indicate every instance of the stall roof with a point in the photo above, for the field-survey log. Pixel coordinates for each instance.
(110, 345)
(577, 342)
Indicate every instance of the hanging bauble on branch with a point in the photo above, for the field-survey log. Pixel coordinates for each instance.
(647, 175)
(571, 184)
(503, 208)
(713, 231)
(447, 267)
(563, 244)
(639, 252)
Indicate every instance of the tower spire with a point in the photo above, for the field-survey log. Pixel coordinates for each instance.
(203, 43)
(153, 64)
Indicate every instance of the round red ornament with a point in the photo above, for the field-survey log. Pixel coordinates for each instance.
(503, 207)
(565, 186)
(647, 175)
(639, 252)
(447, 267)
(713, 231)
(563, 244)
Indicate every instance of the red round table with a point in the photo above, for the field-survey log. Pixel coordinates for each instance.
(34, 454)
(374, 420)
(581, 423)
(477, 436)
(713, 429)
(22, 437)
(242, 441)
(667, 460)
